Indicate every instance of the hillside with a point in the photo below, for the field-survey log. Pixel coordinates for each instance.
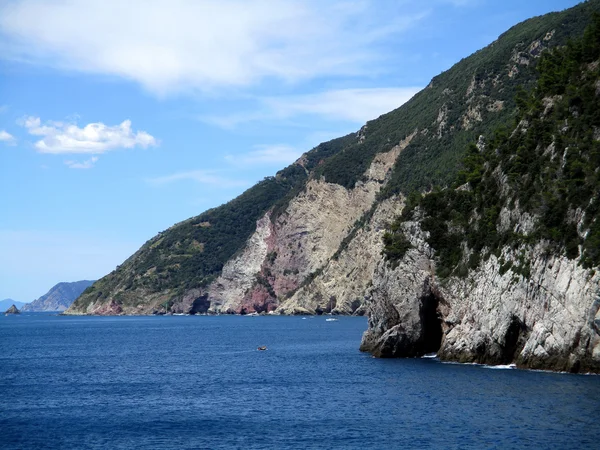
(504, 264)
(309, 239)
(59, 297)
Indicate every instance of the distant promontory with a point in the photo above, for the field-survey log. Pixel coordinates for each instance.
(59, 298)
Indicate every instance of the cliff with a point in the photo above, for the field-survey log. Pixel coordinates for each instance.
(466, 222)
(503, 267)
(309, 239)
(59, 297)
(548, 320)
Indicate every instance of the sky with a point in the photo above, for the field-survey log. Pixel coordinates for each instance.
(120, 119)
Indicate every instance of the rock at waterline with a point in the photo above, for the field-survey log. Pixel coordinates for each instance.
(12, 310)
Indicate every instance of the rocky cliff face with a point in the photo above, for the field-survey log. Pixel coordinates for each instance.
(311, 231)
(314, 243)
(340, 287)
(504, 266)
(59, 298)
(286, 250)
(550, 320)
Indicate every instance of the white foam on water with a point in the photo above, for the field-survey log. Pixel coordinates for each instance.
(502, 366)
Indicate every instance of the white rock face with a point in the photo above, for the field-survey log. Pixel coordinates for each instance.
(550, 320)
(344, 281)
(239, 273)
(301, 242)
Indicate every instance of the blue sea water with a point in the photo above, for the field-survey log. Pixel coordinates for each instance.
(199, 382)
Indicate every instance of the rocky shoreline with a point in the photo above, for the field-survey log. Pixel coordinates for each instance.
(550, 320)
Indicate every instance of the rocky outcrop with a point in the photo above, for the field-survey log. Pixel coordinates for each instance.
(340, 287)
(308, 240)
(239, 275)
(293, 255)
(12, 310)
(550, 320)
(285, 251)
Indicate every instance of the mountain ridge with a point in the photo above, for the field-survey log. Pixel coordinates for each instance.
(275, 248)
(59, 297)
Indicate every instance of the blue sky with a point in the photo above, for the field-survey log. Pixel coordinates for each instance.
(119, 119)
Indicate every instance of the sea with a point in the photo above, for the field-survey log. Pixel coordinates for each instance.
(200, 382)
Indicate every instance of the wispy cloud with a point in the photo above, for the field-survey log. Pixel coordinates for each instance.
(93, 138)
(7, 138)
(280, 154)
(207, 177)
(185, 44)
(352, 105)
(87, 164)
(3, 109)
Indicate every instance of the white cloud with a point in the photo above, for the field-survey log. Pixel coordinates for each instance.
(7, 138)
(87, 164)
(352, 105)
(266, 154)
(208, 177)
(177, 45)
(93, 138)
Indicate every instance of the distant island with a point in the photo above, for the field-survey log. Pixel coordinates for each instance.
(8, 302)
(58, 298)
(12, 310)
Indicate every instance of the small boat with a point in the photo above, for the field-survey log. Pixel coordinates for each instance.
(331, 319)
(262, 348)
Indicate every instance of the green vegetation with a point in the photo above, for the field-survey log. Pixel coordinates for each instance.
(230, 226)
(395, 244)
(192, 253)
(476, 96)
(547, 166)
(435, 154)
(312, 161)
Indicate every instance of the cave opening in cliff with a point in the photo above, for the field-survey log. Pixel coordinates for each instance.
(200, 305)
(432, 324)
(513, 340)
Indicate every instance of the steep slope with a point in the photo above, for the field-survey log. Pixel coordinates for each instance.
(292, 242)
(485, 82)
(505, 266)
(59, 298)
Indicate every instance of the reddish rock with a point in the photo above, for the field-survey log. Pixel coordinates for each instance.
(109, 309)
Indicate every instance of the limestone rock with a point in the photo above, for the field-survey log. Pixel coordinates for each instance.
(549, 321)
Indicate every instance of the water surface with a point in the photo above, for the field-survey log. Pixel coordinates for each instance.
(199, 382)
